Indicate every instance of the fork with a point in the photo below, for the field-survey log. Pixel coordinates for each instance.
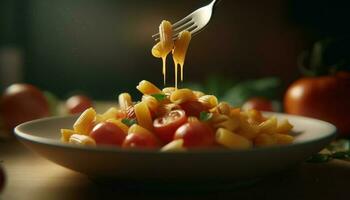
(194, 22)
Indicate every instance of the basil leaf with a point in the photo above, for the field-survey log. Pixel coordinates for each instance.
(205, 116)
(129, 122)
(159, 96)
(341, 155)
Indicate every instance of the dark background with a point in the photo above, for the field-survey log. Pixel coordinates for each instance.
(102, 47)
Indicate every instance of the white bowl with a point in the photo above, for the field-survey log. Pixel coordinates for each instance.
(42, 136)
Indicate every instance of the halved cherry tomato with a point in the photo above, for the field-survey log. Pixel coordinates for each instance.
(140, 140)
(166, 126)
(193, 108)
(107, 133)
(195, 134)
(78, 104)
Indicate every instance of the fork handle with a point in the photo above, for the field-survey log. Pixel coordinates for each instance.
(215, 2)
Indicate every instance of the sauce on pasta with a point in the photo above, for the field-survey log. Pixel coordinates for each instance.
(166, 45)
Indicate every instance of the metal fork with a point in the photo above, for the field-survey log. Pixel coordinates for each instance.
(194, 22)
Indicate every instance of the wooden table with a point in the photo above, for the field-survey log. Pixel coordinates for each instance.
(31, 177)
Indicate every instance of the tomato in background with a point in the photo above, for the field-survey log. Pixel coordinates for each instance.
(195, 134)
(258, 103)
(21, 103)
(326, 98)
(78, 104)
(166, 126)
(107, 133)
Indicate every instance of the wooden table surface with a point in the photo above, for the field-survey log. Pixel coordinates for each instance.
(30, 176)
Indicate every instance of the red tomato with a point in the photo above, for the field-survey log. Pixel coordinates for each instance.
(195, 134)
(326, 98)
(258, 103)
(140, 140)
(21, 103)
(2, 179)
(193, 108)
(78, 104)
(107, 133)
(166, 126)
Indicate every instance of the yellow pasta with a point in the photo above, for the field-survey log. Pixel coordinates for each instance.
(182, 95)
(174, 146)
(143, 115)
(146, 87)
(269, 126)
(232, 140)
(66, 133)
(82, 140)
(198, 93)
(168, 90)
(265, 140)
(151, 102)
(283, 138)
(84, 123)
(139, 130)
(210, 101)
(124, 100)
(284, 127)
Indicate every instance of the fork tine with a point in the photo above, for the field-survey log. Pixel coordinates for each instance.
(192, 28)
(177, 24)
(183, 27)
(178, 30)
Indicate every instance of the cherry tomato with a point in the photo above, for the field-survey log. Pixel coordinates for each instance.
(195, 134)
(21, 103)
(258, 103)
(166, 126)
(2, 179)
(78, 104)
(140, 140)
(325, 97)
(193, 108)
(107, 133)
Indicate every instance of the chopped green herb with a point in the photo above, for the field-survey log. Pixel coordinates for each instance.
(319, 158)
(129, 122)
(205, 116)
(159, 96)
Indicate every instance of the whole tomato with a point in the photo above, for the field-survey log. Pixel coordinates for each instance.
(78, 104)
(326, 98)
(21, 103)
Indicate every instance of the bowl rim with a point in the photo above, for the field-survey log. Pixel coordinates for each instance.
(27, 137)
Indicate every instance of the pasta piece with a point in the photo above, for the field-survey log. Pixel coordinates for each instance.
(111, 113)
(247, 130)
(223, 121)
(143, 115)
(198, 93)
(223, 108)
(168, 90)
(255, 116)
(120, 124)
(232, 140)
(137, 129)
(151, 102)
(82, 140)
(85, 122)
(283, 138)
(66, 133)
(164, 109)
(174, 146)
(265, 140)
(166, 43)
(146, 87)
(181, 46)
(284, 127)
(210, 101)
(124, 100)
(269, 126)
(182, 95)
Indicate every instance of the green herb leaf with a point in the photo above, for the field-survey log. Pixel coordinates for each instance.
(341, 155)
(159, 96)
(205, 116)
(129, 122)
(319, 158)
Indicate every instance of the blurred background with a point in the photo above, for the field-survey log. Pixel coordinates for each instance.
(102, 47)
